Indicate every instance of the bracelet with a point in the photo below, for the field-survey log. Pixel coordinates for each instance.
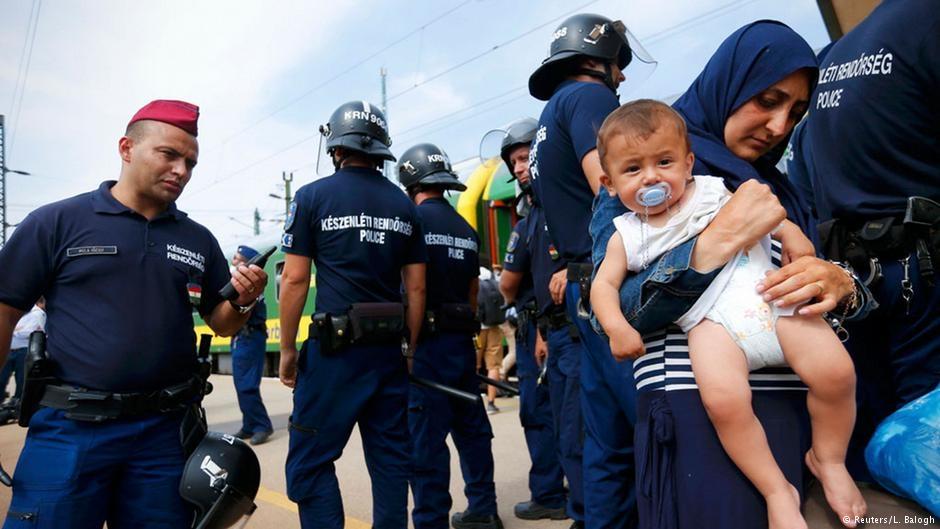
(243, 309)
(849, 304)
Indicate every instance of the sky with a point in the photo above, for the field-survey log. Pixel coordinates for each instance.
(267, 74)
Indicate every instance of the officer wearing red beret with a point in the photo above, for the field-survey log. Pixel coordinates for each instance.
(121, 269)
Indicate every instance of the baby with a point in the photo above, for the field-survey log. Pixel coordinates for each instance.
(645, 152)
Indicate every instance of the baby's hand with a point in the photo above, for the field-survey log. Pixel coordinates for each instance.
(626, 344)
(795, 244)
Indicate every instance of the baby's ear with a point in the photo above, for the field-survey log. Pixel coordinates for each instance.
(608, 184)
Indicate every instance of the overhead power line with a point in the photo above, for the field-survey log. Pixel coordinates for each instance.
(652, 38)
(352, 67)
(492, 49)
(18, 104)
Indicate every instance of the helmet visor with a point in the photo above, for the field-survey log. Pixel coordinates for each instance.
(640, 67)
(491, 144)
(231, 509)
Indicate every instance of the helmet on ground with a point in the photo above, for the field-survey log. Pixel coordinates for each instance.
(221, 478)
(582, 35)
(520, 132)
(358, 126)
(427, 164)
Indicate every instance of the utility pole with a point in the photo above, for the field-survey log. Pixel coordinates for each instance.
(257, 222)
(288, 178)
(3, 183)
(386, 165)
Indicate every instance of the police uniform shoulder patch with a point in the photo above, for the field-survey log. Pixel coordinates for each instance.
(513, 242)
(291, 215)
(287, 240)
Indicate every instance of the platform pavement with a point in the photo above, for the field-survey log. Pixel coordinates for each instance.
(276, 510)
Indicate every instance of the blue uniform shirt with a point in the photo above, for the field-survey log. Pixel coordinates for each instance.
(545, 258)
(257, 320)
(453, 253)
(873, 126)
(567, 132)
(519, 259)
(120, 290)
(360, 230)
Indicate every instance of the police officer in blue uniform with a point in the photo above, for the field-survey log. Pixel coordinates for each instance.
(121, 269)
(579, 80)
(446, 354)
(248, 351)
(546, 479)
(877, 190)
(363, 235)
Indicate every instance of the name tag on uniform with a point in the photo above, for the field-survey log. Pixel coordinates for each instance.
(82, 251)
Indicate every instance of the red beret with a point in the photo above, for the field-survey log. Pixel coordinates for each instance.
(177, 113)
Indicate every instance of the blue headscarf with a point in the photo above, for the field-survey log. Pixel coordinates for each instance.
(749, 61)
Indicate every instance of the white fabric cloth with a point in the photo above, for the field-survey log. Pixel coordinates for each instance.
(34, 320)
(644, 243)
(731, 299)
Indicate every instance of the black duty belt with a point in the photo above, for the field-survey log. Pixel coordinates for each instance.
(554, 318)
(452, 317)
(363, 324)
(97, 406)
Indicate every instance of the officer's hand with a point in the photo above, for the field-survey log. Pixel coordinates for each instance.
(541, 350)
(805, 279)
(287, 368)
(249, 282)
(557, 285)
(626, 344)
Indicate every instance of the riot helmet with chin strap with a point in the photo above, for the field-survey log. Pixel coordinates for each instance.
(578, 37)
(221, 479)
(520, 132)
(358, 127)
(426, 165)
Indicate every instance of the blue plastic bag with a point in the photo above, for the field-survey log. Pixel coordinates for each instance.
(904, 453)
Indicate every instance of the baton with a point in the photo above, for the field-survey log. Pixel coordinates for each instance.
(449, 391)
(496, 383)
(5, 478)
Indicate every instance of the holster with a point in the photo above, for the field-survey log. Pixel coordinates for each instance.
(581, 274)
(365, 324)
(38, 376)
(452, 317)
(557, 318)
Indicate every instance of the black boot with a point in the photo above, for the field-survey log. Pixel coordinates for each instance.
(468, 520)
(530, 510)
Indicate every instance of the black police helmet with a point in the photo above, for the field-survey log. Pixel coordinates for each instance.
(221, 478)
(583, 35)
(520, 132)
(427, 164)
(361, 127)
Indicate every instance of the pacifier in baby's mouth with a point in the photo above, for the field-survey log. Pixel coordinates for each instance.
(654, 195)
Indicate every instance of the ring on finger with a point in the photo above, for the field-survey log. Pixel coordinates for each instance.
(819, 285)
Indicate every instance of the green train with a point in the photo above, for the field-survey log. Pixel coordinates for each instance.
(487, 205)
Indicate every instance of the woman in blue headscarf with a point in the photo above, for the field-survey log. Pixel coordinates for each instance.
(739, 112)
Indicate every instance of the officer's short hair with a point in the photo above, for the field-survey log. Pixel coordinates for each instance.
(138, 129)
(637, 121)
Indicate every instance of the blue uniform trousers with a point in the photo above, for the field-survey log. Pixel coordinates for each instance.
(546, 479)
(564, 382)
(247, 368)
(125, 472)
(608, 405)
(361, 384)
(896, 351)
(449, 359)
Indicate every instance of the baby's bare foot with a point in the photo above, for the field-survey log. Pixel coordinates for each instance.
(841, 492)
(783, 510)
